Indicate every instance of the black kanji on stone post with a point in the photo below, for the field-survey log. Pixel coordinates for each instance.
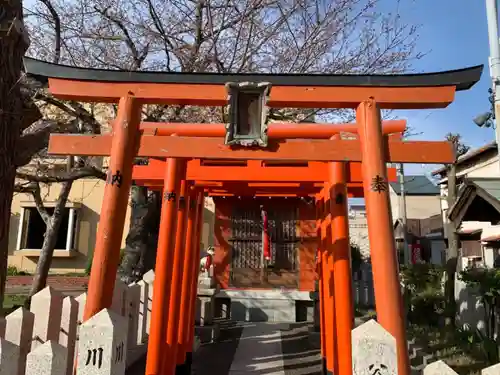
(95, 357)
(379, 184)
(169, 196)
(377, 369)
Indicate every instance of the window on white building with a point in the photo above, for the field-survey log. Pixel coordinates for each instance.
(32, 229)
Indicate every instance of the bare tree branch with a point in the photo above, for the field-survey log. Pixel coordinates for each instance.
(57, 29)
(37, 196)
(138, 57)
(71, 175)
(260, 36)
(26, 187)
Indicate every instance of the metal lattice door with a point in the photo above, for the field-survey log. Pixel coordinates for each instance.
(247, 266)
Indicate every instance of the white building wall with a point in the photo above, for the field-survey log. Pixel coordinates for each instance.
(417, 206)
(489, 169)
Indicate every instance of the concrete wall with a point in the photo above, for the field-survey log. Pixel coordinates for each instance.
(471, 312)
(417, 206)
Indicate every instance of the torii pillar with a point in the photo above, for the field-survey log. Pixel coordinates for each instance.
(342, 276)
(388, 299)
(114, 206)
(327, 286)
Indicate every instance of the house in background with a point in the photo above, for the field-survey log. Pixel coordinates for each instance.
(77, 235)
(424, 225)
(476, 215)
(476, 211)
(422, 198)
(424, 220)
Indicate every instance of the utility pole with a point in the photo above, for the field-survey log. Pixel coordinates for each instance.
(402, 213)
(494, 60)
(452, 252)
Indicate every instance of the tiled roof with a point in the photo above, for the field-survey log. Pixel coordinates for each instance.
(416, 185)
(490, 185)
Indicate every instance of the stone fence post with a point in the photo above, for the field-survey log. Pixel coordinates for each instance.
(374, 353)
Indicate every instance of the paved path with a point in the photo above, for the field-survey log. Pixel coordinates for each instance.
(257, 348)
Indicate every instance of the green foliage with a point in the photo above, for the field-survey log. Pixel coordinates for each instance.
(421, 277)
(12, 302)
(477, 342)
(423, 293)
(456, 139)
(90, 258)
(14, 271)
(487, 283)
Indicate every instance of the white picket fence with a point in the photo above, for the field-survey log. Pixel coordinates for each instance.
(51, 340)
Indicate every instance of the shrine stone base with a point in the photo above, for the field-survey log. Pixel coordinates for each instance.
(268, 305)
(205, 305)
(207, 329)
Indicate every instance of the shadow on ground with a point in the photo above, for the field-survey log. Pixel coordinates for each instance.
(216, 359)
(298, 355)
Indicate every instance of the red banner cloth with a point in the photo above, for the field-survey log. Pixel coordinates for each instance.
(266, 246)
(416, 253)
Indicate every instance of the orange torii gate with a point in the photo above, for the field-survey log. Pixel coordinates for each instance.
(223, 178)
(247, 137)
(254, 177)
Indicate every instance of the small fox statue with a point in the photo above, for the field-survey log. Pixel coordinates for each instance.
(206, 259)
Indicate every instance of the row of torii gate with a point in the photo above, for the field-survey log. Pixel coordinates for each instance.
(282, 159)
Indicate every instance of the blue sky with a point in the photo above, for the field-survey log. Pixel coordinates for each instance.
(454, 32)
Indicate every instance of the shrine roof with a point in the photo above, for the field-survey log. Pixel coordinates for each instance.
(461, 79)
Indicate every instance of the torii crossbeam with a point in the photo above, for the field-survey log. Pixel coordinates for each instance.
(224, 178)
(367, 94)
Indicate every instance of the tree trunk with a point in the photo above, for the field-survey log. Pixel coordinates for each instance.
(148, 257)
(53, 223)
(143, 214)
(452, 252)
(12, 47)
